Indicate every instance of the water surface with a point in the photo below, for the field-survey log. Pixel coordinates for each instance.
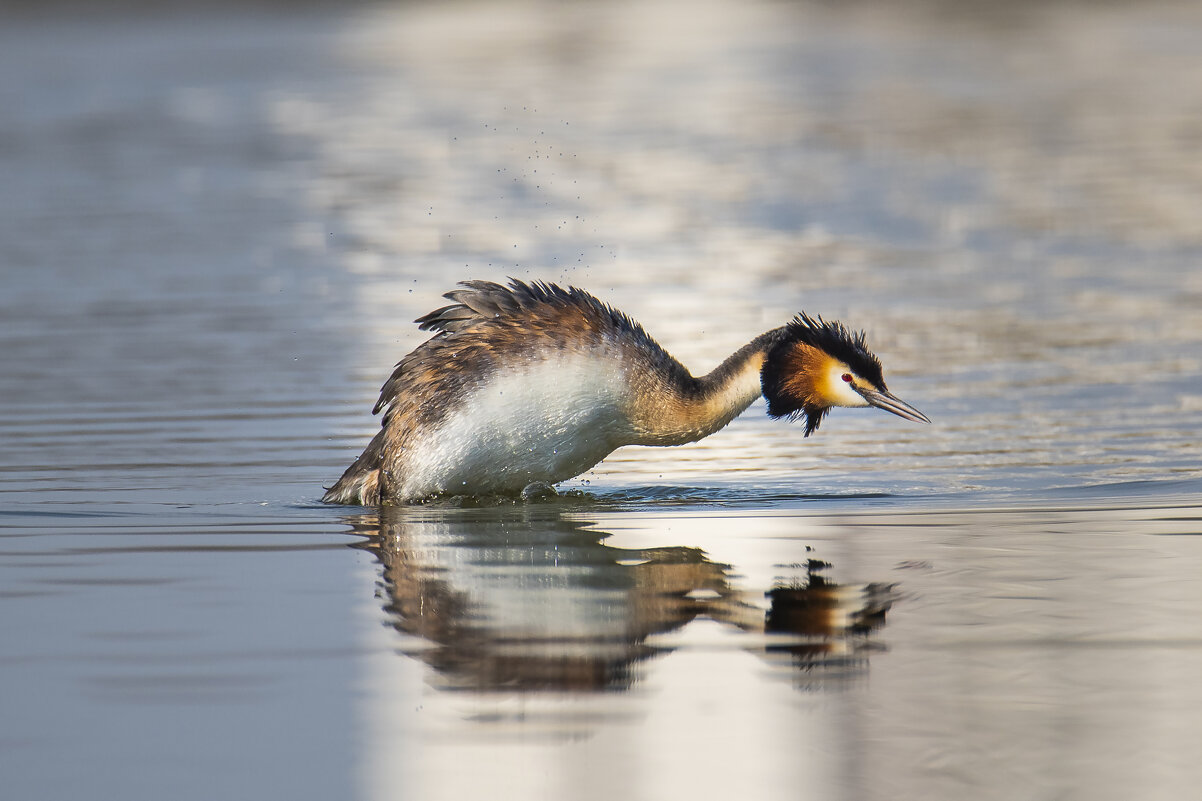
(215, 231)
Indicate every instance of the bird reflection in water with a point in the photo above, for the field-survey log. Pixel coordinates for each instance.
(523, 599)
(829, 622)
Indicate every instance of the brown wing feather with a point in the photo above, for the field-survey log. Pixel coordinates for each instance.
(488, 319)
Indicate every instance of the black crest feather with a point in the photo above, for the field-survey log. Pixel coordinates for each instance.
(813, 418)
(834, 338)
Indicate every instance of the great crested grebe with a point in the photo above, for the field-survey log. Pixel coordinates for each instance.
(533, 383)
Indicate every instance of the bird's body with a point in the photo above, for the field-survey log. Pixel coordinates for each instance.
(534, 383)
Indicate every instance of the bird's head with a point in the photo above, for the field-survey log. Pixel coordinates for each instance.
(816, 365)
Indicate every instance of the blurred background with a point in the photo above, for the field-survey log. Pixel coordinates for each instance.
(1005, 198)
(218, 221)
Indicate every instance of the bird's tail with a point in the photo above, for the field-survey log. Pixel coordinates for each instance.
(360, 484)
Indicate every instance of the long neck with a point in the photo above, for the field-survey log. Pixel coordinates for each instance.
(691, 408)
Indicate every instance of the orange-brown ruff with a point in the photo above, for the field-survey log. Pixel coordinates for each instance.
(536, 383)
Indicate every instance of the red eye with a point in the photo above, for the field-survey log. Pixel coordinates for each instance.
(847, 377)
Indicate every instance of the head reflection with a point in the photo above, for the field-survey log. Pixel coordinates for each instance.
(823, 625)
(522, 599)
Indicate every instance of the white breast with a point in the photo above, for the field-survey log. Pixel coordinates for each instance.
(547, 421)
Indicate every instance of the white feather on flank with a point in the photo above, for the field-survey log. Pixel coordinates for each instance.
(547, 422)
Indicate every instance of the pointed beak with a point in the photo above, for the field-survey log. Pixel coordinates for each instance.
(891, 403)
